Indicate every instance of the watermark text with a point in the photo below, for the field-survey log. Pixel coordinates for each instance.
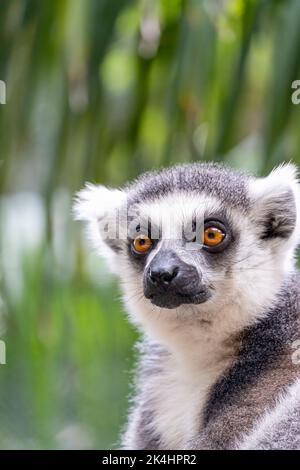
(296, 93)
(2, 352)
(2, 92)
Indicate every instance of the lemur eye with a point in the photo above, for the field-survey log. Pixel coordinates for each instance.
(142, 244)
(213, 236)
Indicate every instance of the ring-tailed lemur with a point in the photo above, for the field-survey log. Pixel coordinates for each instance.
(205, 255)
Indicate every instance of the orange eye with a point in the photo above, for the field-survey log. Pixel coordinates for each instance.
(213, 236)
(142, 244)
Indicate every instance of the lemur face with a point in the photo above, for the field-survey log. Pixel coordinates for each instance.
(180, 248)
(196, 239)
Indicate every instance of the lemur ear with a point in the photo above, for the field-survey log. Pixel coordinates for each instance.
(96, 201)
(98, 206)
(275, 200)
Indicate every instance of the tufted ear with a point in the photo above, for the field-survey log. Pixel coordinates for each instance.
(96, 201)
(275, 203)
(99, 207)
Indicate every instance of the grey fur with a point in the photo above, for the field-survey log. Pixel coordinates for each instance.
(248, 367)
(151, 358)
(211, 178)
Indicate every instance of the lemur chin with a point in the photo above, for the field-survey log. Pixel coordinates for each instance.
(205, 256)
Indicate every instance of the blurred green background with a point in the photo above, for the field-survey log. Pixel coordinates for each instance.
(101, 90)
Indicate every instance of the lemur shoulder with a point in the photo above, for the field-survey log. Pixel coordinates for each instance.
(206, 260)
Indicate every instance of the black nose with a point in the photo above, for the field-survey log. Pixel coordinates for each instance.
(163, 274)
(169, 282)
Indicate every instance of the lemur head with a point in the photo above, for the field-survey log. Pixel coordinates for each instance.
(197, 242)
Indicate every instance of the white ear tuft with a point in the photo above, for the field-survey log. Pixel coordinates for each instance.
(93, 202)
(286, 172)
(275, 200)
(281, 179)
(96, 205)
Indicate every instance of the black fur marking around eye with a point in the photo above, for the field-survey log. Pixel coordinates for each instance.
(138, 259)
(224, 227)
(114, 243)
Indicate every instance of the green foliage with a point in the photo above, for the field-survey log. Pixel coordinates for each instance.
(101, 90)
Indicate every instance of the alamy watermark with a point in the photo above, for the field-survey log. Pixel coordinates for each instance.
(296, 93)
(2, 352)
(128, 223)
(2, 92)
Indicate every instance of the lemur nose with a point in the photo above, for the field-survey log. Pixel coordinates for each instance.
(163, 274)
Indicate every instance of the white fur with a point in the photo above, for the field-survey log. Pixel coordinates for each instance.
(93, 204)
(177, 396)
